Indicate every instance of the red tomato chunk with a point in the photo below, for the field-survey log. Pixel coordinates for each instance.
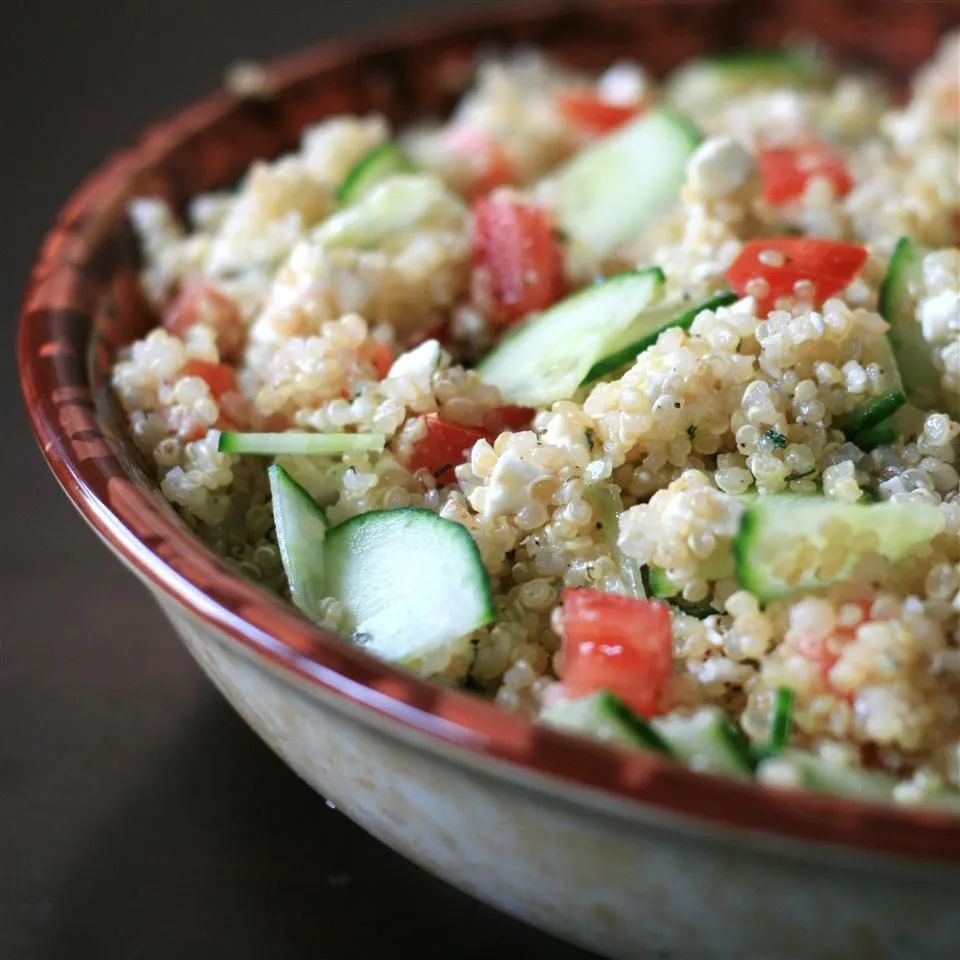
(616, 643)
(515, 245)
(444, 446)
(785, 171)
(592, 114)
(493, 166)
(219, 377)
(202, 303)
(805, 267)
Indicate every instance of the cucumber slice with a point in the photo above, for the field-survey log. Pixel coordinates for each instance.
(707, 741)
(874, 410)
(609, 191)
(703, 84)
(547, 357)
(301, 527)
(774, 527)
(899, 294)
(376, 165)
(645, 330)
(604, 717)
(393, 206)
(820, 775)
(300, 444)
(607, 506)
(412, 584)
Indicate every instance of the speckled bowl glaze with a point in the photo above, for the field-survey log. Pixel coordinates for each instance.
(623, 853)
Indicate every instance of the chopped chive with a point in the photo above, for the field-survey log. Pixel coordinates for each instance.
(781, 720)
(300, 444)
(776, 438)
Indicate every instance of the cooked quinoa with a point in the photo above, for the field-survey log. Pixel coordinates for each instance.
(283, 311)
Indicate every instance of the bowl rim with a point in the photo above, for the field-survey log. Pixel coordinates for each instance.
(53, 337)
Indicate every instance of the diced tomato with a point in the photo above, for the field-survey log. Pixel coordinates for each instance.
(515, 245)
(616, 643)
(592, 114)
(219, 377)
(824, 651)
(444, 446)
(786, 170)
(770, 267)
(202, 303)
(382, 359)
(509, 417)
(488, 157)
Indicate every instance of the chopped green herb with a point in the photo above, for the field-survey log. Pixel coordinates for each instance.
(776, 438)
(781, 720)
(692, 431)
(801, 476)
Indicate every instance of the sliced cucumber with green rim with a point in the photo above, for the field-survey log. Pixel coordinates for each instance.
(610, 190)
(412, 585)
(874, 410)
(785, 543)
(706, 82)
(547, 357)
(899, 296)
(605, 717)
(645, 330)
(816, 773)
(708, 741)
(607, 506)
(299, 444)
(301, 528)
(376, 165)
(390, 208)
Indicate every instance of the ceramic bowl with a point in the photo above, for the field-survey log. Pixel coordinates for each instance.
(621, 852)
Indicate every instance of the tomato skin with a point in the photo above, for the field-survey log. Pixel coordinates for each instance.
(494, 166)
(822, 652)
(203, 303)
(592, 114)
(382, 359)
(515, 245)
(219, 377)
(444, 446)
(616, 643)
(785, 171)
(508, 417)
(447, 444)
(827, 264)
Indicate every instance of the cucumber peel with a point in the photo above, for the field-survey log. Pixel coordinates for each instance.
(645, 330)
(605, 717)
(548, 356)
(412, 585)
(301, 528)
(899, 293)
(299, 444)
(384, 160)
(774, 527)
(611, 189)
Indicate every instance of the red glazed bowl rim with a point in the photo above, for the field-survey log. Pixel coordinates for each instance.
(53, 344)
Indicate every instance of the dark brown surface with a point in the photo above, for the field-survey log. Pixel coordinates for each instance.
(138, 816)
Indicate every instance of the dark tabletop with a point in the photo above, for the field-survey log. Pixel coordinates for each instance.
(139, 817)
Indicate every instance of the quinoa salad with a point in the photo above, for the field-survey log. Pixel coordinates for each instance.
(630, 403)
